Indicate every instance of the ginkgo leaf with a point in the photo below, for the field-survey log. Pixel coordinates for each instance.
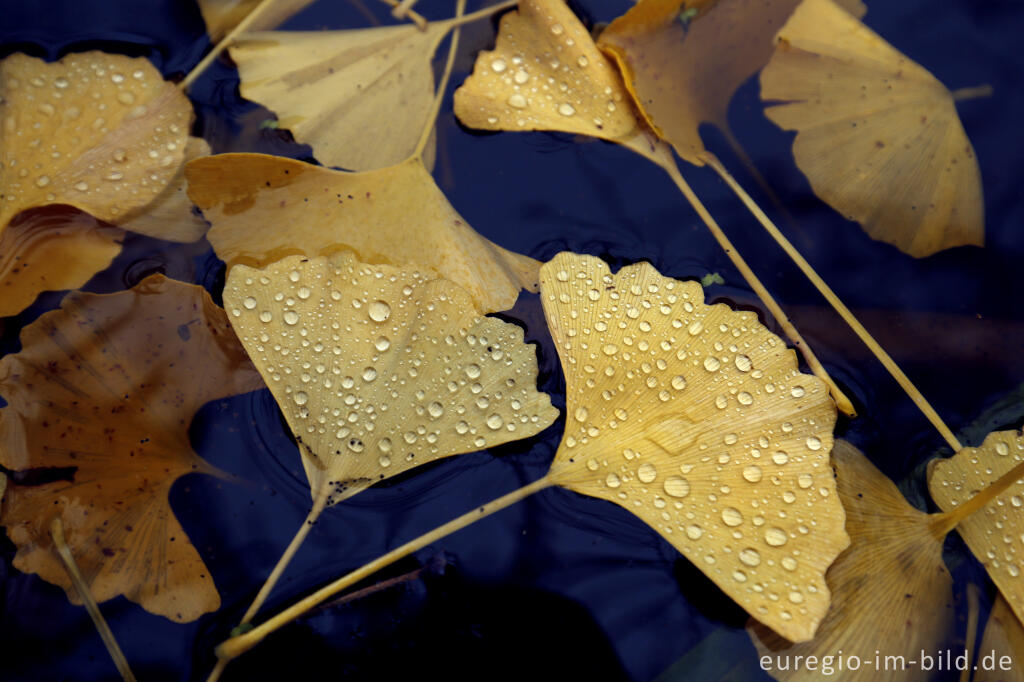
(878, 136)
(52, 250)
(106, 387)
(170, 216)
(221, 16)
(996, 533)
(265, 207)
(545, 73)
(380, 369)
(1004, 637)
(891, 592)
(683, 70)
(360, 98)
(101, 132)
(697, 419)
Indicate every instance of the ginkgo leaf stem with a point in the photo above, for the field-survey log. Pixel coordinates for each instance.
(410, 13)
(435, 107)
(240, 644)
(61, 545)
(905, 383)
(224, 43)
(972, 93)
(943, 523)
(481, 13)
(663, 157)
(400, 10)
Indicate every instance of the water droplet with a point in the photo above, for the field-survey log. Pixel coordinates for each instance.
(498, 65)
(676, 486)
(732, 517)
(776, 537)
(379, 311)
(557, 29)
(1002, 448)
(384, 461)
(744, 398)
(583, 62)
(495, 422)
(613, 481)
(382, 344)
(291, 317)
(301, 398)
(805, 481)
(788, 563)
(694, 532)
(521, 76)
(750, 556)
(265, 316)
(304, 293)
(566, 109)
(647, 473)
(581, 414)
(369, 374)
(678, 382)
(798, 392)
(517, 101)
(752, 473)
(435, 409)
(609, 349)
(743, 363)
(249, 303)
(780, 457)
(82, 186)
(711, 363)
(814, 443)
(473, 371)
(42, 181)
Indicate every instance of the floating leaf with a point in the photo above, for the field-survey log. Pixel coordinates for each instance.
(877, 135)
(52, 249)
(1004, 637)
(106, 387)
(995, 534)
(223, 15)
(696, 419)
(170, 216)
(546, 73)
(360, 98)
(101, 132)
(380, 369)
(891, 592)
(265, 207)
(683, 72)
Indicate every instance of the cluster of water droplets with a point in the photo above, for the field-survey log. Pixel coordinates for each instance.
(996, 534)
(92, 130)
(379, 369)
(546, 73)
(696, 419)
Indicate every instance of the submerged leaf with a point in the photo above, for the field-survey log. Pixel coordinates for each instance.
(996, 533)
(683, 73)
(221, 16)
(105, 388)
(696, 419)
(546, 73)
(265, 207)
(380, 369)
(101, 132)
(52, 250)
(878, 136)
(891, 592)
(170, 216)
(360, 98)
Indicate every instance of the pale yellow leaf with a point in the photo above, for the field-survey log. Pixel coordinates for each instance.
(170, 216)
(223, 15)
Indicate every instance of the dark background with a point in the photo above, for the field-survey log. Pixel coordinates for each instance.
(559, 586)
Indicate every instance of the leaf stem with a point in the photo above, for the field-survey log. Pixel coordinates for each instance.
(226, 41)
(409, 13)
(663, 157)
(943, 523)
(57, 533)
(238, 645)
(972, 93)
(460, 8)
(905, 383)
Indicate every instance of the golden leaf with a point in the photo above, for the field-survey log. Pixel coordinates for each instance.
(1003, 636)
(696, 419)
(265, 207)
(221, 16)
(878, 136)
(170, 216)
(994, 534)
(682, 60)
(360, 98)
(519, 85)
(103, 133)
(52, 249)
(380, 369)
(891, 592)
(107, 385)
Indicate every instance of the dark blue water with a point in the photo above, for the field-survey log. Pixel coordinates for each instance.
(559, 586)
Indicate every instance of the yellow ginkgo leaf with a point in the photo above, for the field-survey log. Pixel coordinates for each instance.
(682, 60)
(1004, 639)
(379, 369)
(546, 73)
(101, 132)
(51, 249)
(697, 419)
(221, 16)
(265, 207)
(891, 592)
(170, 216)
(360, 98)
(996, 533)
(878, 136)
